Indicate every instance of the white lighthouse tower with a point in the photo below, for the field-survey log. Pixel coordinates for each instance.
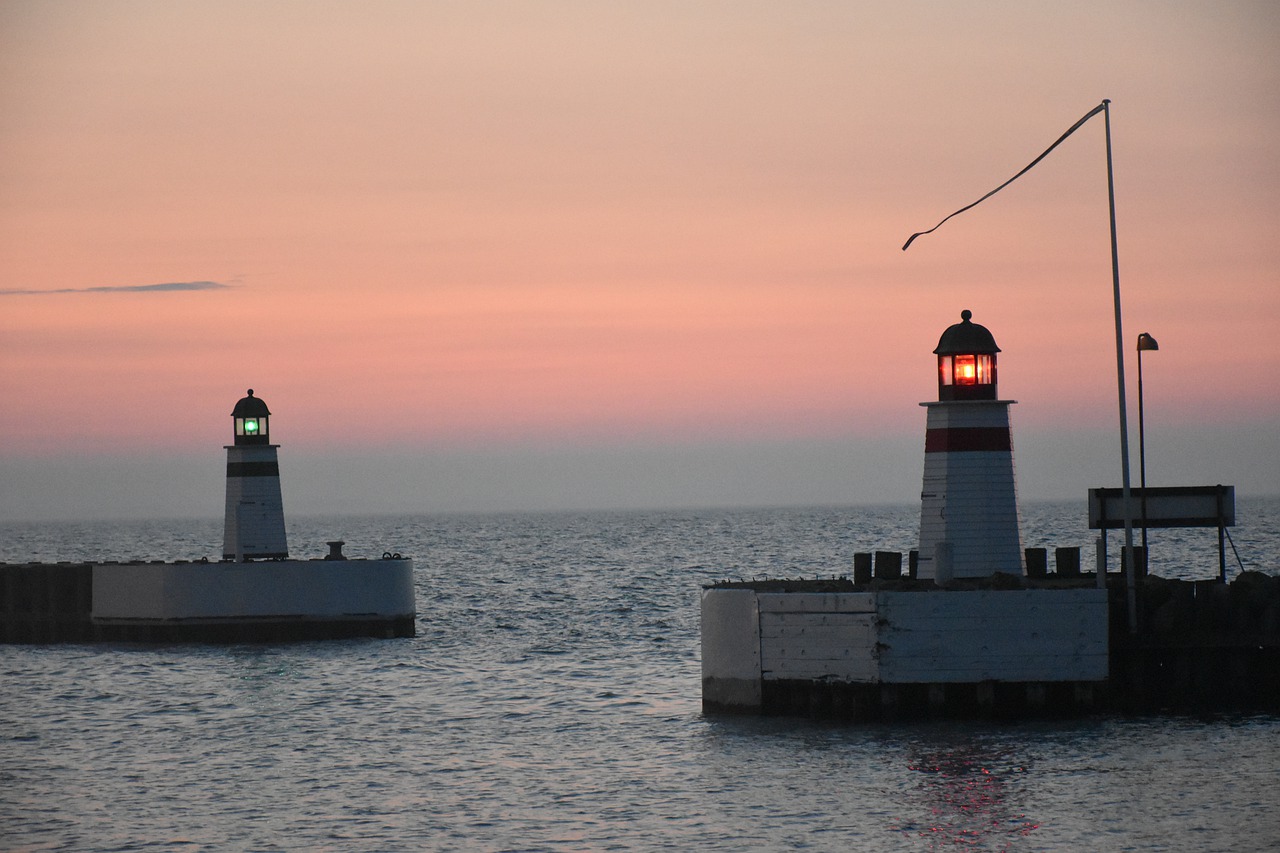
(254, 525)
(969, 505)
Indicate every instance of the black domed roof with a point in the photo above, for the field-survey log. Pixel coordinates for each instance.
(966, 337)
(250, 407)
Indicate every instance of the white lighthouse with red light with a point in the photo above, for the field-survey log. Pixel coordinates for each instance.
(873, 650)
(254, 526)
(969, 505)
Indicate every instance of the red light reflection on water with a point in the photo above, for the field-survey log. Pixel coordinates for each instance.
(965, 794)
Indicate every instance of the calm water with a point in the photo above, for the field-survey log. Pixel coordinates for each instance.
(551, 701)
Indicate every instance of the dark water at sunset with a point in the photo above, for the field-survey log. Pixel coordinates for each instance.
(551, 702)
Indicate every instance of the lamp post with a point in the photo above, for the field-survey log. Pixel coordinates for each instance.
(1145, 342)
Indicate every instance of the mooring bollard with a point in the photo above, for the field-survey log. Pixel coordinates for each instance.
(1067, 561)
(888, 565)
(942, 563)
(862, 568)
(1037, 562)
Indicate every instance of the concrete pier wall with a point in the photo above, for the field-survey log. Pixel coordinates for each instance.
(263, 601)
(46, 603)
(904, 651)
(865, 648)
(731, 648)
(293, 588)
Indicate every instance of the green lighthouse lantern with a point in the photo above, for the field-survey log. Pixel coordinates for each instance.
(251, 421)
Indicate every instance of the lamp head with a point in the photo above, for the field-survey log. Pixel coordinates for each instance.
(252, 421)
(966, 361)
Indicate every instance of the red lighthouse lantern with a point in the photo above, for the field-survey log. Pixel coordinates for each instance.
(967, 361)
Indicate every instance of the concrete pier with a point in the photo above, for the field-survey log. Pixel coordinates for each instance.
(254, 594)
(1006, 648)
(209, 602)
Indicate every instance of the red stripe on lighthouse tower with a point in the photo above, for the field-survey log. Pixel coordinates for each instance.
(960, 439)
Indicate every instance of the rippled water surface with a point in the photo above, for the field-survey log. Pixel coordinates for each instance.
(551, 701)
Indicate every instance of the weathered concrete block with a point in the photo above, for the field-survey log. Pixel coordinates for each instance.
(730, 650)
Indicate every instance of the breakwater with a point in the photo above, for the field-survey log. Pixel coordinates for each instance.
(1201, 646)
(1198, 647)
(206, 602)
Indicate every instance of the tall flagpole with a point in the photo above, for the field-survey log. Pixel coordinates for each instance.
(1131, 585)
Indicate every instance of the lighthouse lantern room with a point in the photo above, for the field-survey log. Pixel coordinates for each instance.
(968, 506)
(967, 361)
(252, 421)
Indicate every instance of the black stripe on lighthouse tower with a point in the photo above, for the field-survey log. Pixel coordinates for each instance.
(960, 439)
(253, 469)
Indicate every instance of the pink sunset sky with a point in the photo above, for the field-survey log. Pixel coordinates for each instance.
(546, 255)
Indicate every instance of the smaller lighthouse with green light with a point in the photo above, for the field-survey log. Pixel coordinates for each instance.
(254, 526)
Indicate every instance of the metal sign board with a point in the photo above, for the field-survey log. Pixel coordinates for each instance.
(1166, 506)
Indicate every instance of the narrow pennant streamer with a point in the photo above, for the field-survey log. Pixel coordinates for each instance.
(1093, 112)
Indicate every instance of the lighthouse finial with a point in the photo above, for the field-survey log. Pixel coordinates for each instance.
(965, 315)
